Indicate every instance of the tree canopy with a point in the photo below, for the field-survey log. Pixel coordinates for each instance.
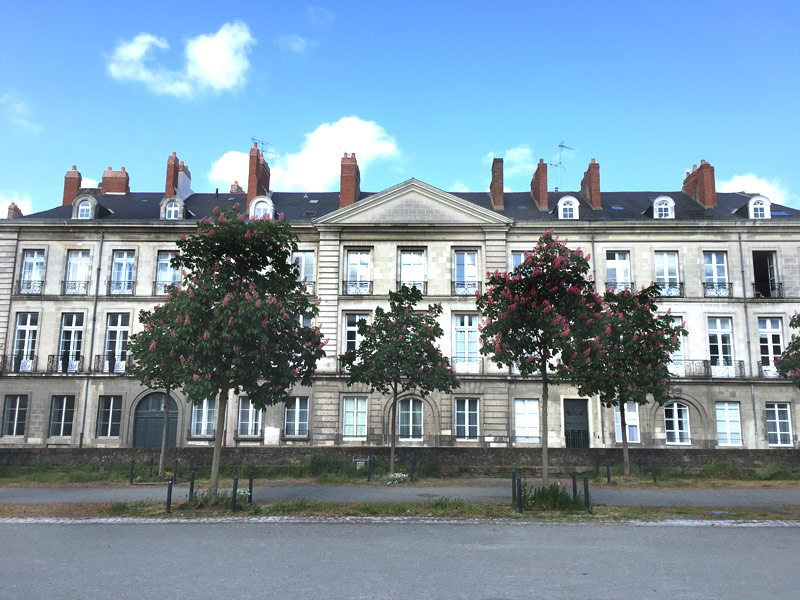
(789, 363)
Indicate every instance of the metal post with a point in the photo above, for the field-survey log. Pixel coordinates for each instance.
(175, 471)
(412, 470)
(513, 487)
(574, 483)
(250, 489)
(151, 467)
(191, 483)
(608, 472)
(519, 494)
(370, 464)
(132, 468)
(654, 472)
(169, 496)
(191, 463)
(586, 494)
(233, 494)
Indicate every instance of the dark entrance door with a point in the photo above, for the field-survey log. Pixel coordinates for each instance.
(149, 421)
(576, 423)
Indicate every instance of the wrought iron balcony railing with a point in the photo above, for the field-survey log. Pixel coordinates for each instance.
(160, 288)
(357, 288)
(466, 288)
(75, 288)
(769, 371)
(464, 365)
(310, 287)
(113, 363)
(30, 286)
(617, 286)
(670, 290)
(768, 290)
(422, 286)
(727, 369)
(65, 363)
(705, 368)
(121, 287)
(717, 290)
(20, 363)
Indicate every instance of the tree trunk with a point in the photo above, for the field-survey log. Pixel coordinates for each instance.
(393, 431)
(164, 431)
(543, 429)
(219, 431)
(624, 427)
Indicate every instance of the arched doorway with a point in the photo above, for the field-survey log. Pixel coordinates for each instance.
(148, 422)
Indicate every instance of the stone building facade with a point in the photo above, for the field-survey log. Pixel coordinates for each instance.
(74, 278)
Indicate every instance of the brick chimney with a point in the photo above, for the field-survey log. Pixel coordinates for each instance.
(171, 187)
(257, 176)
(236, 188)
(115, 182)
(590, 185)
(13, 211)
(496, 186)
(350, 183)
(539, 186)
(700, 185)
(72, 183)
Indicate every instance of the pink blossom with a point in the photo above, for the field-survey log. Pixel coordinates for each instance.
(152, 345)
(196, 377)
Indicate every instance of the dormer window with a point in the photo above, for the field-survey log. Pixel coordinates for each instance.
(85, 210)
(664, 208)
(172, 212)
(262, 209)
(759, 208)
(567, 208)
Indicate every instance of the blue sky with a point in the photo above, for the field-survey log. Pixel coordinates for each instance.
(416, 89)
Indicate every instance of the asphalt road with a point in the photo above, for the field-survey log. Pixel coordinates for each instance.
(396, 560)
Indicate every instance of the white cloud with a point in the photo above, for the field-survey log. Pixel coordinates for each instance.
(216, 62)
(294, 43)
(459, 187)
(319, 16)
(516, 161)
(316, 166)
(23, 201)
(88, 182)
(17, 112)
(752, 184)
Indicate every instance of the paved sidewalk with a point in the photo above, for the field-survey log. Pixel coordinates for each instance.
(497, 491)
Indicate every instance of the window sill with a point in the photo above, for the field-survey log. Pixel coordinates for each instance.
(789, 445)
(296, 438)
(248, 438)
(679, 443)
(200, 438)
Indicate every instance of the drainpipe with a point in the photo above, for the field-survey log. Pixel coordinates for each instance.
(747, 332)
(9, 322)
(91, 338)
(602, 412)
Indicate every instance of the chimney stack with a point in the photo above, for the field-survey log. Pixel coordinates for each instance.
(496, 187)
(115, 182)
(350, 182)
(590, 186)
(13, 211)
(539, 186)
(72, 183)
(236, 188)
(171, 187)
(700, 185)
(258, 175)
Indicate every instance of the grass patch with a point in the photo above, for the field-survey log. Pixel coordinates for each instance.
(553, 497)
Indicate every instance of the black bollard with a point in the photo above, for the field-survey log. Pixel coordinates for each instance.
(608, 472)
(169, 496)
(513, 487)
(151, 468)
(191, 483)
(519, 494)
(412, 469)
(191, 463)
(250, 489)
(132, 469)
(370, 464)
(175, 471)
(654, 472)
(233, 494)
(574, 483)
(586, 494)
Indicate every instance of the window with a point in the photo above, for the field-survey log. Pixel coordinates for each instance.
(109, 411)
(516, 259)
(355, 418)
(61, 413)
(122, 269)
(466, 338)
(770, 344)
(16, 410)
(467, 418)
(466, 276)
(116, 348)
(249, 418)
(357, 283)
(69, 347)
(779, 424)
(567, 208)
(203, 417)
(296, 421)
(729, 425)
(412, 269)
(85, 210)
(759, 208)
(409, 417)
(24, 358)
(261, 210)
(526, 420)
(172, 211)
(32, 272)
(664, 208)
(305, 262)
(676, 423)
(715, 275)
(719, 347)
(667, 274)
(618, 271)
(765, 275)
(631, 421)
(677, 366)
(77, 277)
(166, 274)
(352, 339)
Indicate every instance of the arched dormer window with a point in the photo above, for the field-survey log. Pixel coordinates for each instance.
(84, 210)
(261, 208)
(568, 208)
(664, 208)
(759, 208)
(172, 212)
(171, 208)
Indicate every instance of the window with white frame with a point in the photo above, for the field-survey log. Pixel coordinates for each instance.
(770, 342)
(116, 347)
(354, 423)
(676, 423)
(715, 275)
(203, 417)
(85, 210)
(466, 344)
(14, 414)
(667, 276)
(409, 417)
(631, 422)
(779, 424)
(568, 208)
(261, 210)
(618, 271)
(358, 282)
(352, 339)
(25, 334)
(122, 272)
(71, 343)
(412, 269)
(465, 282)
(296, 417)
(62, 410)
(166, 274)
(305, 263)
(32, 275)
(466, 418)
(77, 277)
(109, 412)
(719, 347)
(526, 419)
(172, 211)
(516, 259)
(759, 208)
(729, 424)
(677, 366)
(249, 418)
(664, 208)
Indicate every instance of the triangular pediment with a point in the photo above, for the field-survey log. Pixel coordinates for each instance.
(413, 202)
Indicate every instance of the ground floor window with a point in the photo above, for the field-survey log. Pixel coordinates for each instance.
(296, 422)
(109, 412)
(467, 418)
(409, 415)
(355, 418)
(14, 415)
(631, 421)
(779, 424)
(526, 420)
(203, 417)
(729, 424)
(61, 413)
(249, 418)
(676, 423)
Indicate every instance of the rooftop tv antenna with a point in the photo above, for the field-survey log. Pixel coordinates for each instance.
(261, 144)
(563, 170)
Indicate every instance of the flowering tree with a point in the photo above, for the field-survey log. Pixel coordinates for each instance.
(236, 321)
(789, 363)
(529, 317)
(624, 352)
(398, 353)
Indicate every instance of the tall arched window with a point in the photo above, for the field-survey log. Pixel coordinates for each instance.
(85, 210)
(676, 423)
(171, 213)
